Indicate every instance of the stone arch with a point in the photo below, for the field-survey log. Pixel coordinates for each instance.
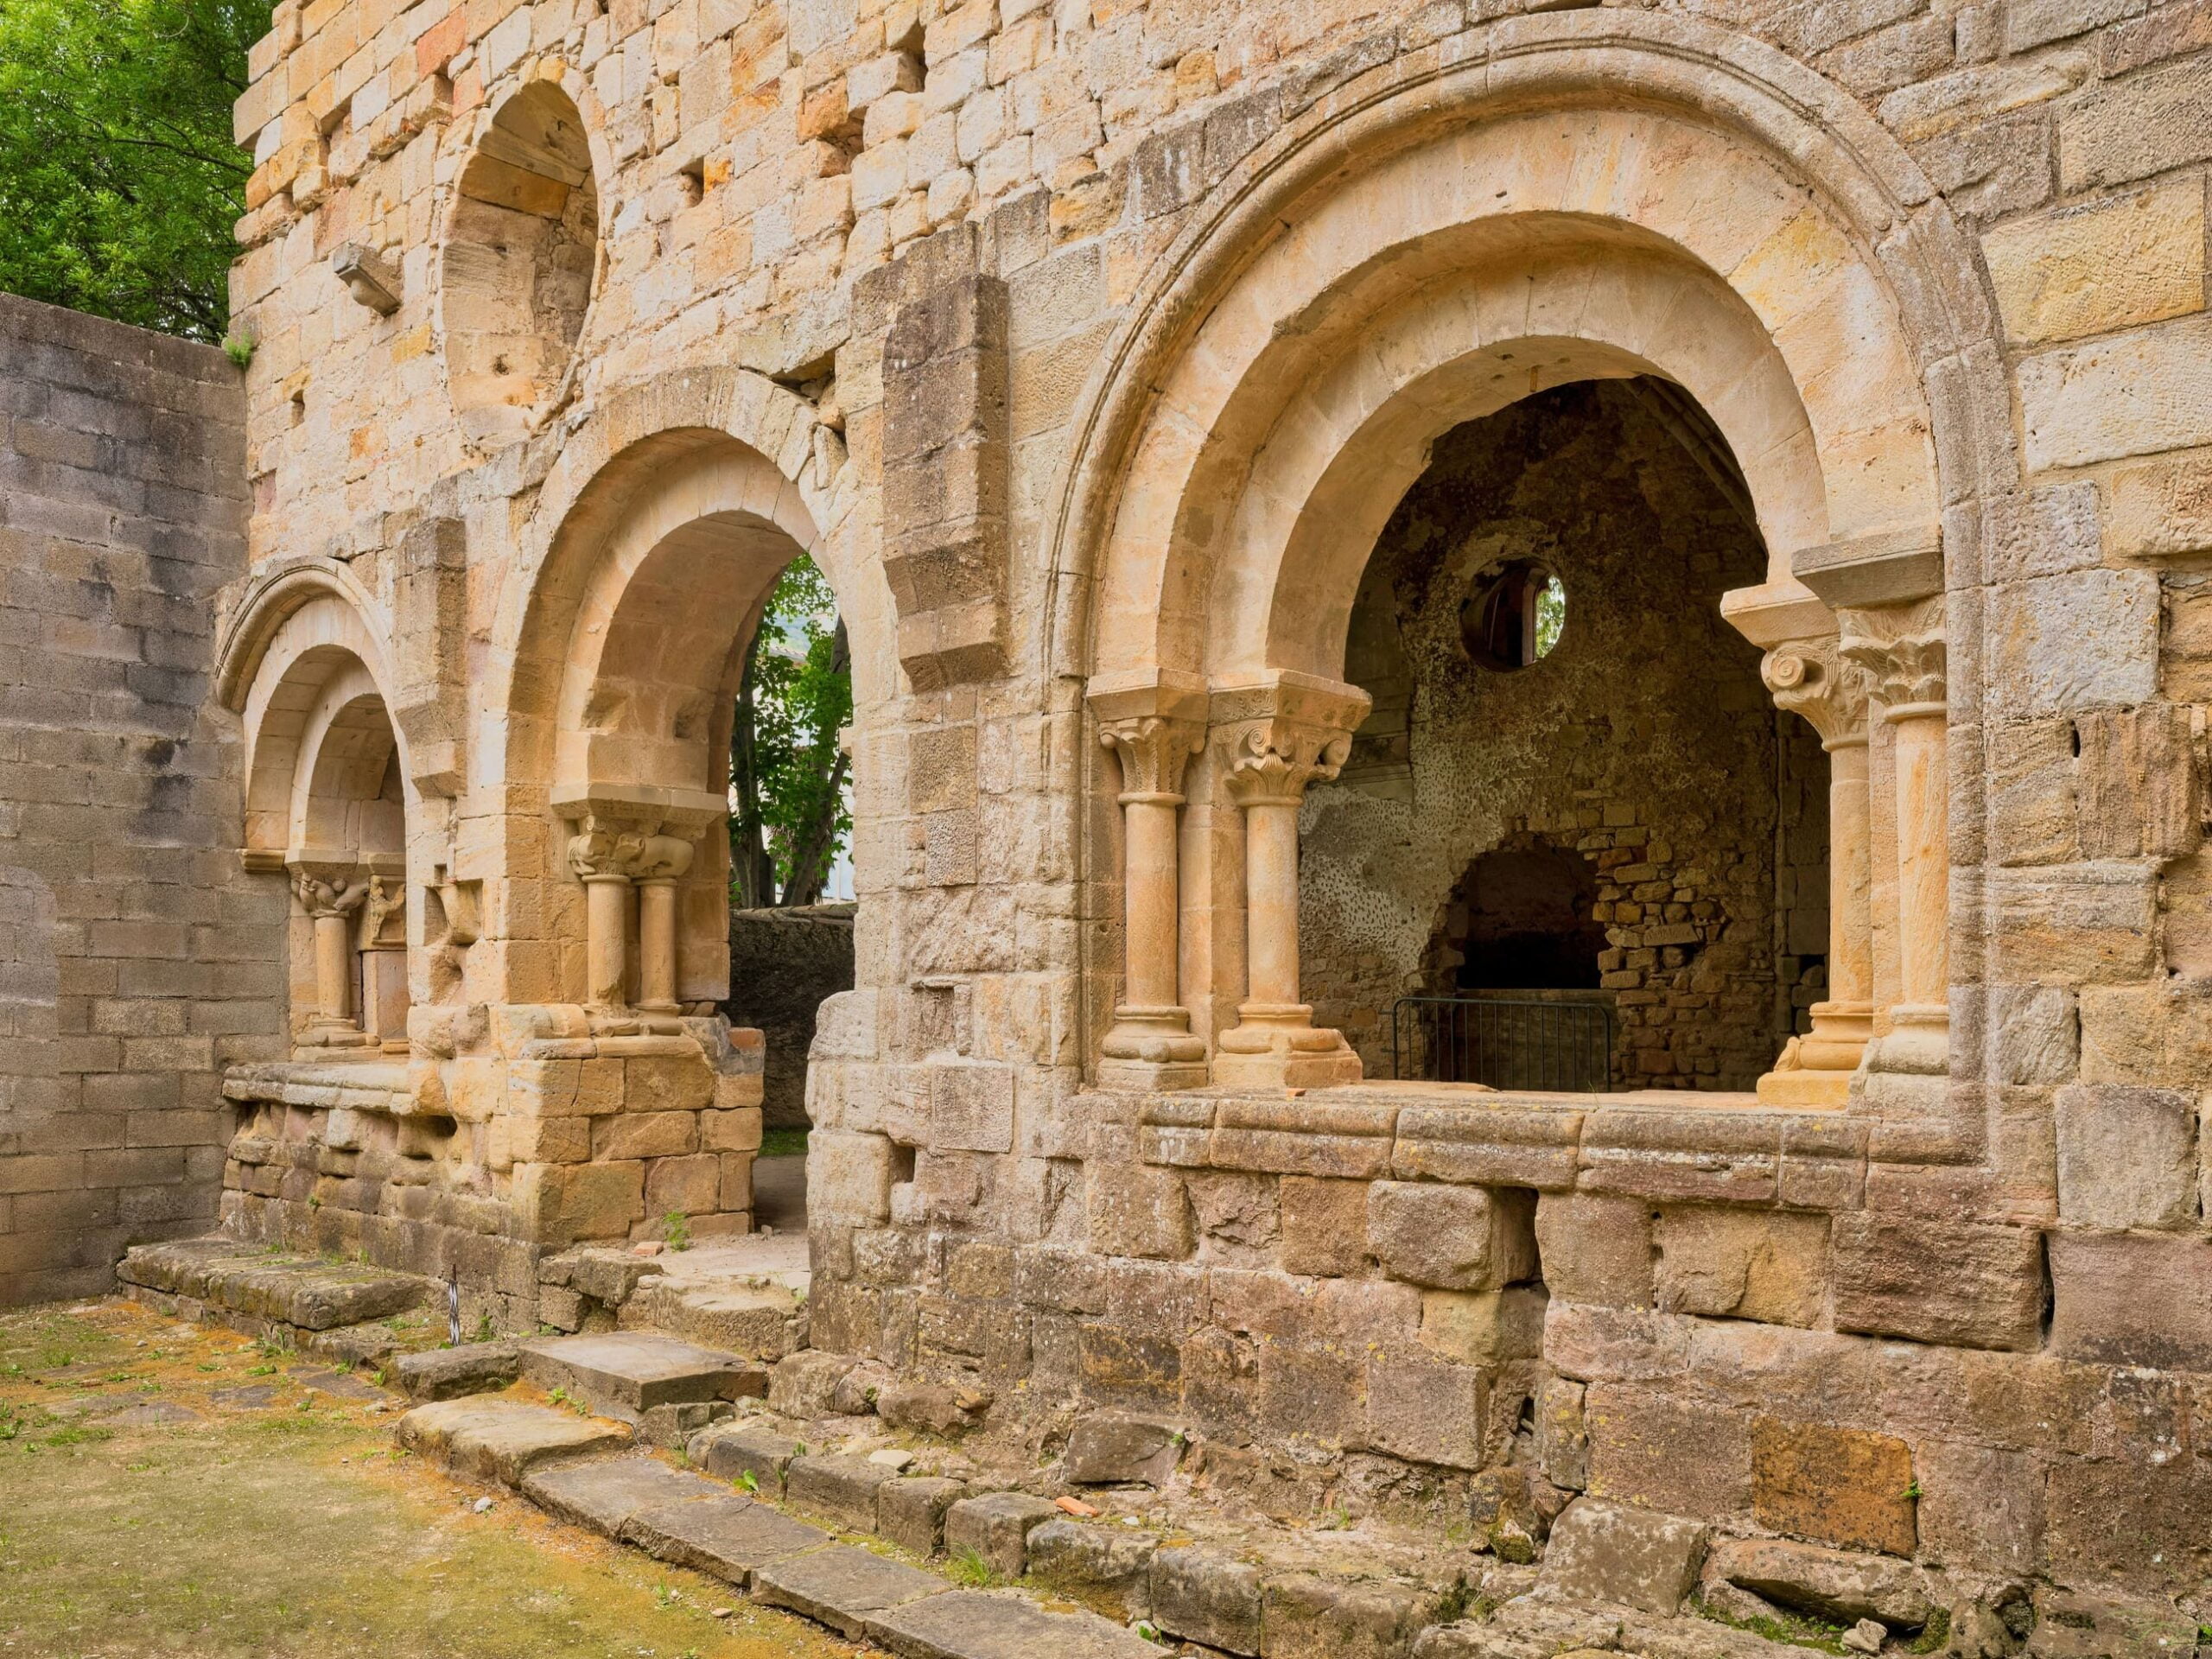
(521, 260)
(1571, 132)
(1596, 194)
(300, 650)
(631, 636)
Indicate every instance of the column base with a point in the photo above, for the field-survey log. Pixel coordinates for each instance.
(1151, 1049)
(1814, 1071)
(1277, 1045)
(336, 1033)
(1917, 1044)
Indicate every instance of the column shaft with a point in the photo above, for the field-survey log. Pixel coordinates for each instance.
(606, 944)
(1149, 898)
(1271, 904)
(657, 944)
(1851, 928)
(1923, 876)
(334, 965)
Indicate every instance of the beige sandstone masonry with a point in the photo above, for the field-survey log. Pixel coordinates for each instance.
(1089, 349)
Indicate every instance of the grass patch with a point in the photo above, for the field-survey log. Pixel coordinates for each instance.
(1812, 1633)
(783, 1143)
(967, 1566)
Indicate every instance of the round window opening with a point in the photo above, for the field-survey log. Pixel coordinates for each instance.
(1514, 614)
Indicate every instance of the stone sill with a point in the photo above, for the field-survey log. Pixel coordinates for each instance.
(364, 1085)
(1656, 1144)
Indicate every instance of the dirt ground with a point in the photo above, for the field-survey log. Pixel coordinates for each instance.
(171, 1491)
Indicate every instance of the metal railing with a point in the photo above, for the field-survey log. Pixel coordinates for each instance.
(1533, 1042)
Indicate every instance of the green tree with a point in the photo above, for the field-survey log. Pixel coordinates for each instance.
(788, 815)
(119, 184)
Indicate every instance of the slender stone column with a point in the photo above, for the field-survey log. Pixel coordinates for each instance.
(1811, 678)
(1903, 650)
(661, 863)
(603, 860)
(331, 895)
(1150, 1046)
(1274, 1042)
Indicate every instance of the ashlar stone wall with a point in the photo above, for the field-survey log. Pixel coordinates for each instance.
(1645, 742)
(137, 959)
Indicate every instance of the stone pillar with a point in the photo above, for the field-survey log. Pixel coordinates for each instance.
(1150, 1046)
(1812, 678)
(661, 863)
(1275, 1043)
(331, 895)
(603, 860)
(1902, 648)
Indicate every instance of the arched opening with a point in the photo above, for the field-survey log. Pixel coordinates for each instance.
(701, 779)
(1602, 867)
(521, 253)
(1311, 361)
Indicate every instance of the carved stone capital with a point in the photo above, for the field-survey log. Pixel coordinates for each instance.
(1274, 761)
(1812, 678)
(326, 890)
(1903, 650)
(384, 901)
(662, 858)
(1152, 749)
(600, 852)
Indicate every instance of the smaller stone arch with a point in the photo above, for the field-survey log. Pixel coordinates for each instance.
(328, 802)
(521, 262)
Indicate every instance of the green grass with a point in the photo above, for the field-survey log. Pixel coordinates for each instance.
(783, 1143)
(289, 1534)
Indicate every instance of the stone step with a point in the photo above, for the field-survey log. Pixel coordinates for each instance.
(492, 1437)
(668, 1388)
(732, 1538)
(605, 1492)
(843, 1587)
(304, 1292)
(986, 1625)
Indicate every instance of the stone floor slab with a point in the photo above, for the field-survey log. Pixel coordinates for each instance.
(841, 1586)
(730, 1538)
(496, 1438)
(977, 1624)
(305, 1291)
(605, 1493)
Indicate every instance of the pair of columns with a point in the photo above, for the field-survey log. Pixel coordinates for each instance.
(616, 861)
(348, 906)
(1275, 741)
(1885, 668)
(1886, 665)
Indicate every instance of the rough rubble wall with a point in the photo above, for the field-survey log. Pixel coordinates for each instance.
(1645, 741)
(783, 965)
(137, 959)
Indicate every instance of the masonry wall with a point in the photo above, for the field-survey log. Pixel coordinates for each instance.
(783, 964)
(1645, 742)
(137, 959)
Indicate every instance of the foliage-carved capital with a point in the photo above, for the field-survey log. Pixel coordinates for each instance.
(1903, 651)
(1154, 749)
(1813, 678)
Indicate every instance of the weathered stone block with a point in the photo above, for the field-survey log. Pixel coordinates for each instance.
(1484, 1327)
(1138, 1210)
(2105, 264)
(910, 1511)
(1611, 1551)
(1981, 1509)
(842, 1488)
(1825, 1583)
(1097, 1560)
(1562, 1439)
(2126, 1156)
(1429, 1410)
(1209, 1598)
(2142, 1299)
(1961, 1283)
(1453, 1237)
(1659, 1452)
(730, 1453)
(849, 1177)
(1743, 1264)
(804, 1384)
(1110, 1448)
(1837, 1486)
(1324, 1226)
(1306, 1616)
(562, 1203)
(1597, 1251)
(996, 1527)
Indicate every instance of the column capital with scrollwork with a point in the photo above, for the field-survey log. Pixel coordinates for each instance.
(1154, 749)
(1813, 678)
(1903, 649)
(329, 889)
